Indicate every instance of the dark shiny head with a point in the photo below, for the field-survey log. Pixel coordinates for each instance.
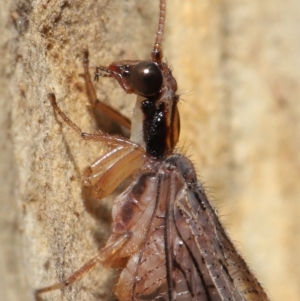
(143, 78)
(146, 78)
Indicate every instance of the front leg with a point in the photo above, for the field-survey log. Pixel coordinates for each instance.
(105, 109)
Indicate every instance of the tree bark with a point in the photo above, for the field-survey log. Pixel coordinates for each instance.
(239, 64)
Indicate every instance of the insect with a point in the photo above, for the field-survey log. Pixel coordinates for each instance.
(165, 238)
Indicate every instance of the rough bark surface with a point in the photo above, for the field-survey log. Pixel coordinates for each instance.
(239, 63)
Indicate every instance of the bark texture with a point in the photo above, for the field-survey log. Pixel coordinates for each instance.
(237, 64)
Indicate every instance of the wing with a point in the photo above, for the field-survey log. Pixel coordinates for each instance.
(179, 251)
(206, 265)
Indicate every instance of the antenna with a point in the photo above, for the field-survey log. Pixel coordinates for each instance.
(156, 53)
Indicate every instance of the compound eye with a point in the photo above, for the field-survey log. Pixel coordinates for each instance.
(146, 78)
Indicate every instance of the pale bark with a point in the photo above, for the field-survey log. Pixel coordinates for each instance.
(238, 61)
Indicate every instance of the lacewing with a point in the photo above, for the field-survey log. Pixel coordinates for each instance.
(166, 238)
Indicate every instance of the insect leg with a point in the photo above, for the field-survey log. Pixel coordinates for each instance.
(100, 137)
(104, 108)
(104, 255)
(112, 169)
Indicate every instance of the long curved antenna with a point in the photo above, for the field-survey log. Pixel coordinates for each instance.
(156, 53)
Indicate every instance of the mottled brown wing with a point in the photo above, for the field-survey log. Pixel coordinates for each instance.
(178, 251)
(145, 273)
(205, 264)
(200, 270)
